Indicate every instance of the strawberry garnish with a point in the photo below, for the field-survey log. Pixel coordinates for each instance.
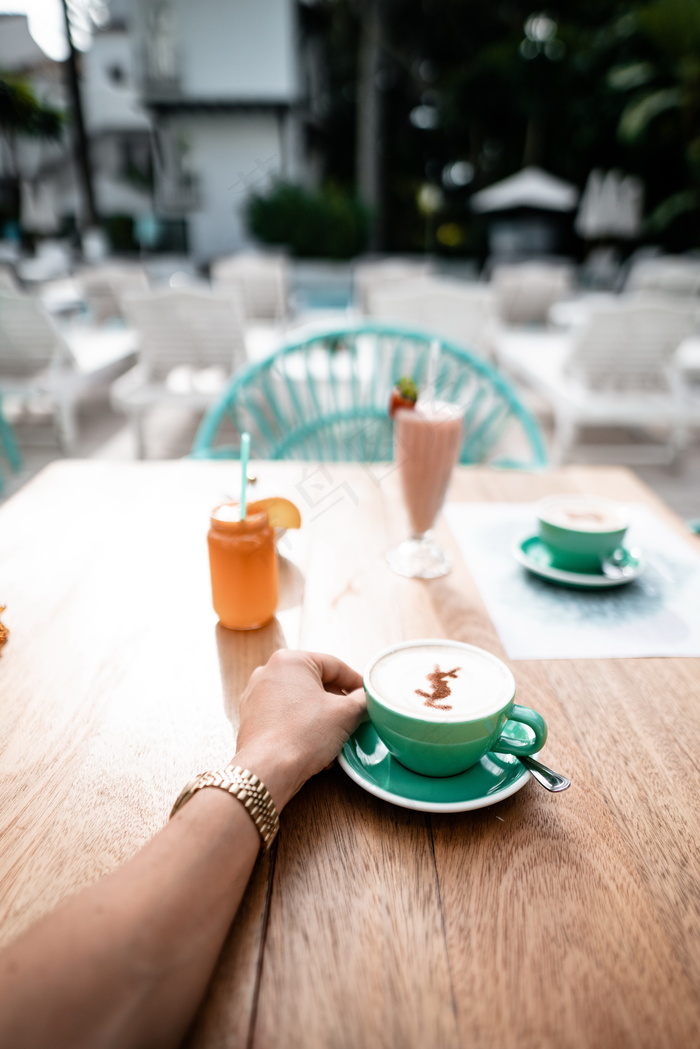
(403, 395)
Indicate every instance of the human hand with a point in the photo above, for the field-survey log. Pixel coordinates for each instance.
(295, 715)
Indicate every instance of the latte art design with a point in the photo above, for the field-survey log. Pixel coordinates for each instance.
(582, 515)
(585, 518)
(441, 690)
(441, 681)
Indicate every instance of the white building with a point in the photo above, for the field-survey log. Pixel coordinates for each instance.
(118, 128)
(221, 80)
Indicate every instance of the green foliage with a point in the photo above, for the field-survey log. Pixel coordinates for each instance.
(21, 113)
(120, 231)
(500, 99)
(664, 111)
(674, 25)
(674, 207)
(621, 89)
(639, 114)
(327, 223)
(407, 388)
(631, 75)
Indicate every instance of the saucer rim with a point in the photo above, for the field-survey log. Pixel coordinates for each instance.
(482, 802)
(562, 575)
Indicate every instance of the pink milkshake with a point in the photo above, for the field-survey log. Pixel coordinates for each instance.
(427, 440)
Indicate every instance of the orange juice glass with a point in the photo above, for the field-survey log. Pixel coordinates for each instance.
(243, 563)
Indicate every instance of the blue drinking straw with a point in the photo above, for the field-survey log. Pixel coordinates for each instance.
(245, 455)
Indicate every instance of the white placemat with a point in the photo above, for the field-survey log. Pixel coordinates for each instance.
(656, 615)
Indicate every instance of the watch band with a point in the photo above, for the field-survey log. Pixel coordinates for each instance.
(247, 788)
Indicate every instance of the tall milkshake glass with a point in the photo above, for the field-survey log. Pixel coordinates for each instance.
(427, 440)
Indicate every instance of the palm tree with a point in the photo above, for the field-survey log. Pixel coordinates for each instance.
(665, 90)
(22, 115)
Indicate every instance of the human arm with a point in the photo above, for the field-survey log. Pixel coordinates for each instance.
(126, 962)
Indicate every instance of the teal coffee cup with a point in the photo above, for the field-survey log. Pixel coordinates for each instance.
(581, 532)
(439, 706)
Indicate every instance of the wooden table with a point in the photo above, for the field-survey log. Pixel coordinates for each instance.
(546, 921)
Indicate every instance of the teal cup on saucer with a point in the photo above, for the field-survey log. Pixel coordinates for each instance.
(440, 706)
(581, 532)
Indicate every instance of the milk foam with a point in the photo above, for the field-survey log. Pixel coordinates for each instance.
(481, 684)
(583, 515)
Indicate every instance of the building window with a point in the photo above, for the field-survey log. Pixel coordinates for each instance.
(116, 74)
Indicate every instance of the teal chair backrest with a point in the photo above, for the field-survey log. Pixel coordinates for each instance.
(9, 445)
(325, 397)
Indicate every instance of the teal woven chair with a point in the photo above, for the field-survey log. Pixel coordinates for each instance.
(325, 398)
(9, 446)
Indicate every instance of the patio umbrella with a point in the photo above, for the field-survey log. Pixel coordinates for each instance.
(608, 203)
(611, 206)
(530, 188)
(587, 222)
(630, 207)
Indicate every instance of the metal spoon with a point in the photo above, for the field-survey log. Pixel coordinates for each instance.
(621, 564)
(553, 781)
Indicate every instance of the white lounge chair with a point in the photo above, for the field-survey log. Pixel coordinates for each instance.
(40, 361)
(617, 370)
(191, 341)
(462, 313)
(525, 291)
(260, 281)
(104, 287)
(372, 274)
(8, 280)
(671, 275)
(52, 261)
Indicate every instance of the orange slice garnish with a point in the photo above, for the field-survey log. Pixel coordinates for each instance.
(281, 512)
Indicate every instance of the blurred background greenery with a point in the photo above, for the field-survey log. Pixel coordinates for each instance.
(469, 92)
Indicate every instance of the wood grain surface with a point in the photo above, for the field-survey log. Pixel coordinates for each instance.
(545, 921)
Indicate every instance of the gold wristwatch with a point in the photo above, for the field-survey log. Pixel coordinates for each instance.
(249, 790)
